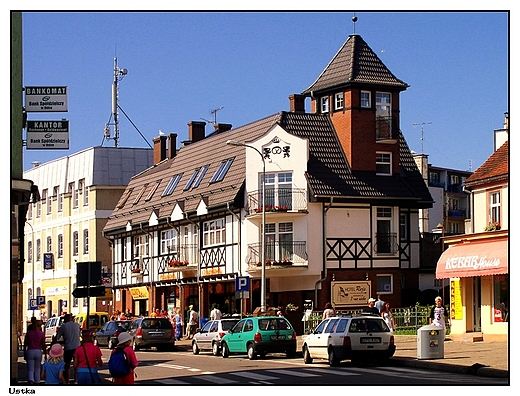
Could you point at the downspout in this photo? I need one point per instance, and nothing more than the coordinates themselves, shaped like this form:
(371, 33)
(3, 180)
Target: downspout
(178, 241)
(151, 266)
(319, 281)
(198, 266)
(239, 246)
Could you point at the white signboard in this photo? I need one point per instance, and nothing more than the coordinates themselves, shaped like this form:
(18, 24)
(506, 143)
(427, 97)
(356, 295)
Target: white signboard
(46, 99)
(48, 135)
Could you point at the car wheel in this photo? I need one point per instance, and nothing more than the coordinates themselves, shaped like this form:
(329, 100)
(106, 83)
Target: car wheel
(225, 350)
(195, 348)
(333, 360)
(251, 354)
(306, 355)
(215, 349)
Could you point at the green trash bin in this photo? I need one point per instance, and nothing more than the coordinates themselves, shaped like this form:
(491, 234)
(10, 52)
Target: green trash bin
(430, 342)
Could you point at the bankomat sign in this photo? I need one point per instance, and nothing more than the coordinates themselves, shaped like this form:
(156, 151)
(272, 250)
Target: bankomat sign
(46, 99)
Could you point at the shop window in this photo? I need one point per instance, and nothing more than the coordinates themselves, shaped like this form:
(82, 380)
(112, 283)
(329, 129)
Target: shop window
(501, 298)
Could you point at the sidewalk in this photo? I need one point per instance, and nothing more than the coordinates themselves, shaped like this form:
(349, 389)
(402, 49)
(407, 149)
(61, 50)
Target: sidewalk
(483, 358)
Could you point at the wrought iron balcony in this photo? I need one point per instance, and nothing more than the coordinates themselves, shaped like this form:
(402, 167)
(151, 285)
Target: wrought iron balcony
(278, 253)
(277, 200)
(184, 257)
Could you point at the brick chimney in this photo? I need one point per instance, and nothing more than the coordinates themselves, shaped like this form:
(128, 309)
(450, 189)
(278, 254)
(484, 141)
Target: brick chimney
(219, 128)
(159, 149)
(297, 103)
(172, 145)
(196, 131)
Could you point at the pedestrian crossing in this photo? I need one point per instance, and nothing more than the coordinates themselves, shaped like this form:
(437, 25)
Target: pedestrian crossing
(311, 375)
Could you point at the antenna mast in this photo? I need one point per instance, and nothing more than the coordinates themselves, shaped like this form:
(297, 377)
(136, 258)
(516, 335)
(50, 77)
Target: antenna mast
(118, 76)
(422, 124)
(214, 113)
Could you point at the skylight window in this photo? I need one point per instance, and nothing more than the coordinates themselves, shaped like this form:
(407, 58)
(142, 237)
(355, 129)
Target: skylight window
(200, 176)
(171, 185)
(152, 191)
(192, 179)
(124, 198)
(138, 197)
(222, 170)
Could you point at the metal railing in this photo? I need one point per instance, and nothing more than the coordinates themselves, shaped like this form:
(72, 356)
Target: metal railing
(277, 200)
(278, 251)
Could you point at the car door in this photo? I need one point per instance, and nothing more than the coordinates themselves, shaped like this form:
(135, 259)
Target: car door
(317, 341)
(234, 337)
(203, 337)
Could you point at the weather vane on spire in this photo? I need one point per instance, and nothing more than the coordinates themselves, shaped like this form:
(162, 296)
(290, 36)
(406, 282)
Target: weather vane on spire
(354, 20)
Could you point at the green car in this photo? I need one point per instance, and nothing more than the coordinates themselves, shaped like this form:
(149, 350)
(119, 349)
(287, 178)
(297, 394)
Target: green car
(260, 335)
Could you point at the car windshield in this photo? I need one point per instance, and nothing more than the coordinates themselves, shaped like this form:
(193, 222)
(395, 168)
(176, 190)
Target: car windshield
(274, 324)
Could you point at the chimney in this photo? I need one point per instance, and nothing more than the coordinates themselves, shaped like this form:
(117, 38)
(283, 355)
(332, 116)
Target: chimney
(297, 103)
(196, 131)
(159, 149)
(172, 145)
(222, 127)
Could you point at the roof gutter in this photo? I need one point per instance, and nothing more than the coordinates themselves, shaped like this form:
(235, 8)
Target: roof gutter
(320, 281)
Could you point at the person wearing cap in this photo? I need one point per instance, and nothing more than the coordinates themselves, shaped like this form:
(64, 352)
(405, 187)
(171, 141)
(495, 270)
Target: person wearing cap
(54, 368)
(371, 309)
(70, 332)
(124, 341)
(87, 359)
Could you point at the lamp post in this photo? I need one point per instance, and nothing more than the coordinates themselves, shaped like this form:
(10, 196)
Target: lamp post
(262, 233)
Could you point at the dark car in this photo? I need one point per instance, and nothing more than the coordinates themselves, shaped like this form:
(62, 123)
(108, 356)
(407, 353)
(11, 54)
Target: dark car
(151, 332)
(260, 335)
(107, 335)
(208, 338)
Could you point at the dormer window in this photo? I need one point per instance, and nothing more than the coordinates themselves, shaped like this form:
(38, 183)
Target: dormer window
(324, 104)
(339, 101)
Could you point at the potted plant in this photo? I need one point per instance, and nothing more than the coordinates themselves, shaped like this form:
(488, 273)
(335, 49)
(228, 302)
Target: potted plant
(291, 307)
(492, 226)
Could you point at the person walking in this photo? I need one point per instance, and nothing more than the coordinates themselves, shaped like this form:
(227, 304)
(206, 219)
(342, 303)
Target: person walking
(388, 316)
(178, 324)
(125, 343)
(438, 315)
(33, 347)
(215, 313)
(70, 332)
(371, 309)
(329, 311)
(379, 304)
(54, 368)
(87, 359)
(193, 322)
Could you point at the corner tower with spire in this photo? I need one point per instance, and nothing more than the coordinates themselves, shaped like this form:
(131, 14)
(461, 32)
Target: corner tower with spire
(361, 96)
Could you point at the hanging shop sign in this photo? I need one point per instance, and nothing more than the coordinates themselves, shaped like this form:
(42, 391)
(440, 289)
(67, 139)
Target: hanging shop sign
(48, 135)
(46, 99)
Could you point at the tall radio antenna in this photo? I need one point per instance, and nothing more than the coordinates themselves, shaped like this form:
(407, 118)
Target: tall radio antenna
(214, 113)
(119, 74)
(422, 124)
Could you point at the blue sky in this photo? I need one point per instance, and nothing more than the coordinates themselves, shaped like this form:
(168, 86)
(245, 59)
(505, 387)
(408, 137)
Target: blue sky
(183, 65)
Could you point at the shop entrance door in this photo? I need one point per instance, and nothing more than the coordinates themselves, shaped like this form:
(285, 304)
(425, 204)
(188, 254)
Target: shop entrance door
(477, 303)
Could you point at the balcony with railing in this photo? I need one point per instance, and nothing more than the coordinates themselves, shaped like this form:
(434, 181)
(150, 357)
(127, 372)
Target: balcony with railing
(278, 254)
(182, 258)
(277, 200)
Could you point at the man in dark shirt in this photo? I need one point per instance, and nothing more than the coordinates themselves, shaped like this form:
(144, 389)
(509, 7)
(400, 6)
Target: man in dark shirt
(371, 309)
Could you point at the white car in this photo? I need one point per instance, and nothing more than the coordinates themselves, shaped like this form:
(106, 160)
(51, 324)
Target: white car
(208, 338)
(356, 338)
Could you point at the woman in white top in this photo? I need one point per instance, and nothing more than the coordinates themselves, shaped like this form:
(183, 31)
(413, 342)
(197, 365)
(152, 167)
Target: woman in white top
(388, 316)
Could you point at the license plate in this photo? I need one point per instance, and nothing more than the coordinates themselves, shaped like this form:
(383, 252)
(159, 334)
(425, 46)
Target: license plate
(156, 334)
(370, 340)
(277, 337)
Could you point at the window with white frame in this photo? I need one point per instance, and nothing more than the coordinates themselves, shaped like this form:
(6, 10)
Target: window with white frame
(38, 250)
(385, 239)
(279, 239)
(48, 201)
(403, 226)
(39, 208)
(324, 104)
(85, 241)
(365, 99)
(278, 191)
(29, 211)
(384, 284)
(383, 163)
(339, 101)
(60, 245)
(29, 252)
(141, 246)
(214, 232)
(124, 249)
(85, 195)
(494, 207)
(75, 243)
(49, 244)
(169, 241)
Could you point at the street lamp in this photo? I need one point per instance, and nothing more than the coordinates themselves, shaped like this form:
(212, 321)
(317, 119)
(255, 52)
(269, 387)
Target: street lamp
(262, 233)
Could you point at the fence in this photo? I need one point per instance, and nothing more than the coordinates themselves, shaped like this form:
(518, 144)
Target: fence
(408, 320)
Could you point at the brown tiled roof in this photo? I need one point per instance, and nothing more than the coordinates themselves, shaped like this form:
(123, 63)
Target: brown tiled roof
(355, 62)
(328, 172)
(496, 167)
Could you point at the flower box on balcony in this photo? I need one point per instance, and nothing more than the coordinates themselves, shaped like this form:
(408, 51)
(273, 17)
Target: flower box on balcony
(136, 271)
(178, 263)
(269, 208)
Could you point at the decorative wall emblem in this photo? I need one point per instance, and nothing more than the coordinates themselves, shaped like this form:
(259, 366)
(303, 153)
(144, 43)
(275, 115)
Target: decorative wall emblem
(277, 147)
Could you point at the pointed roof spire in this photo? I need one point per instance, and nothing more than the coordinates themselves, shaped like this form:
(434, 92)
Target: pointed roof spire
(355, 62)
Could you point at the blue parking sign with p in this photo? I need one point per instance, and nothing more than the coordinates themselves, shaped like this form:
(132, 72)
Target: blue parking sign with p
(242, 283)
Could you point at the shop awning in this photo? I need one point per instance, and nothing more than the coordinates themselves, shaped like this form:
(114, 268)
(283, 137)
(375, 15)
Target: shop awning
(139, 293)
(473, 259)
